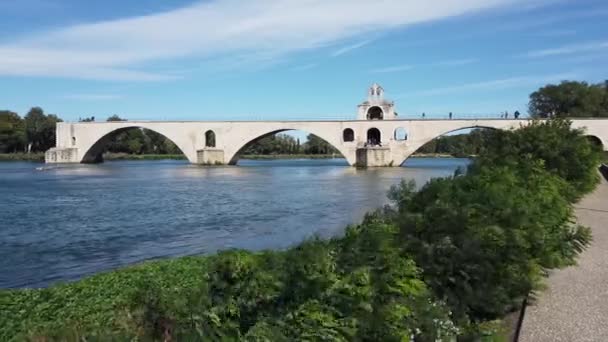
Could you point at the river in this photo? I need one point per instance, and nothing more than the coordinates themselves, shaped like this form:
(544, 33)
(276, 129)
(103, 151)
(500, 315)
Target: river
(66, 222)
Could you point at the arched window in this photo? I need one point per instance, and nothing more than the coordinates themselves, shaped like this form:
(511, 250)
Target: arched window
(400, 134)
(209, 139)
(73, 141)
(373, 137)
(375, 113)
(348, 135)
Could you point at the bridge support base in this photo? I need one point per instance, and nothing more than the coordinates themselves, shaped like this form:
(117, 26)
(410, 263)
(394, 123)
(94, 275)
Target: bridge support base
(59, 155)
(210, 156)
(374, 157)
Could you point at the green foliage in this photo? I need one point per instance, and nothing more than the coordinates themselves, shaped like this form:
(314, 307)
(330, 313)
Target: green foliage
(12, 132)
(484, 240)
(140, 141)
(40, 130)
(283, 144)
(563, 151)
(316, 145)
(570, 99)
(458, 145)
(306, 293)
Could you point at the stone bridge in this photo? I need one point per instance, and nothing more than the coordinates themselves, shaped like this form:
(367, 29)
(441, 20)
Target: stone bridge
(376, 138)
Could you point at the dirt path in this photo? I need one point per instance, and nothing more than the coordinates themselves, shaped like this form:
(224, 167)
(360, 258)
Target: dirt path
(574, 307)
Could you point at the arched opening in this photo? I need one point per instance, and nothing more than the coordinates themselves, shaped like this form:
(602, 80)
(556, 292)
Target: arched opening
(454, 147)
(400, 134)
(132, 143)
(209, 138)
(348, 135)
(288, 144)
(375, 113)
(596, 142)
(374, 138)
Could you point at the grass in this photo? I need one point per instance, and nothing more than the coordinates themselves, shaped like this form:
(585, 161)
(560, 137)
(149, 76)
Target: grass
(127, 156)
(290, 156)
(22, 156)
(97, 303)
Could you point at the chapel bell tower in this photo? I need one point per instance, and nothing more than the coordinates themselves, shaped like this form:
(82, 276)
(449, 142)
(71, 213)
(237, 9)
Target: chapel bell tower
(376, 107)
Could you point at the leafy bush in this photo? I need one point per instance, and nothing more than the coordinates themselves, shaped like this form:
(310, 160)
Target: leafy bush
(564, 152)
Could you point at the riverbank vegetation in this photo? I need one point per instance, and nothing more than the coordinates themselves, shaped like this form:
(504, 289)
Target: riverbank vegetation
(447, 261)
(283, 144)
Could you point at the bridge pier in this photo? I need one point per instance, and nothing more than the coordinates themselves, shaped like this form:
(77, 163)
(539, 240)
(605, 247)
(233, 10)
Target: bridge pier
(61, 155)
(375, 156)
(210, 156)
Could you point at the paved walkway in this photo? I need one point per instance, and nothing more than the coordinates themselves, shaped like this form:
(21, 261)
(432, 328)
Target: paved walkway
(574, 307)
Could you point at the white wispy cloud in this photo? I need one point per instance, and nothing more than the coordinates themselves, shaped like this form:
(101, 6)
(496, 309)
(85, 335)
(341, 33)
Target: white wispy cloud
(405, 67)
(396, 68)
(349, 48)
(504, 83)
(568, 49)
(121, 49)
(457, 62)
(92, 97)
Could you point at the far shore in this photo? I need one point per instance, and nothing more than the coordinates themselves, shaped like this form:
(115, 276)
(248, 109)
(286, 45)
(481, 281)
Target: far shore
(39, 156)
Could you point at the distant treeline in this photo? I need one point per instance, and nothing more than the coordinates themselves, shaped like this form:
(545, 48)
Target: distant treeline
(33, 133)
(283, 144)
(139, 141)
(460, 145)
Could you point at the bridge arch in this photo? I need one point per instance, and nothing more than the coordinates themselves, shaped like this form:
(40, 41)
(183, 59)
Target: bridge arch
(596, 141)
(419, 143)
(335, 142)
(91, 149)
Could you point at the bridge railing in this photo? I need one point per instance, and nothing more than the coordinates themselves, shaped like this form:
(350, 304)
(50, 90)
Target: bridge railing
(256, 117)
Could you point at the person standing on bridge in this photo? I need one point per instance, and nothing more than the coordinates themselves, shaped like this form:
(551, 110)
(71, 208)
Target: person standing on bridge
(516, 114)
(506, 115)
(423, 115)
(450, 115)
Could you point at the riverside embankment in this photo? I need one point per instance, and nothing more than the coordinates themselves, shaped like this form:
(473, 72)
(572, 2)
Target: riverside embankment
(574, 306)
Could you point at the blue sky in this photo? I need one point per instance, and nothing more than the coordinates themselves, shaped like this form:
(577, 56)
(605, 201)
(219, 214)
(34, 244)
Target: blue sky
(291, 59)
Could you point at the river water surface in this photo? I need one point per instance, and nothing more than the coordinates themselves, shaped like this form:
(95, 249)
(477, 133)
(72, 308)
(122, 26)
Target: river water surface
(66, 222)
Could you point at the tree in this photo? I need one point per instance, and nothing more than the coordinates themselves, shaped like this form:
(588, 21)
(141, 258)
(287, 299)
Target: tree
(40, 130)
(12, 132)
(115, 118)
(563, 151)
(316, 145)
(570, 99)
